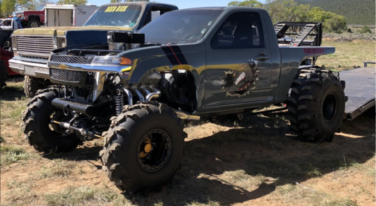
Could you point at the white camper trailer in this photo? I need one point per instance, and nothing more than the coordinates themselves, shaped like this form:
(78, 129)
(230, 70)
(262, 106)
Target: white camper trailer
(67, 14)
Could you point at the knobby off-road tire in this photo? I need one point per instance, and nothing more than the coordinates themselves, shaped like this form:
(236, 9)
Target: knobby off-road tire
(121, 154)
(32, 85)
(316, 105)
(37, 128)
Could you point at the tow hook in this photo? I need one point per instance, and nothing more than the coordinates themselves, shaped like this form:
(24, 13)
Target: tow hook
(86, 133)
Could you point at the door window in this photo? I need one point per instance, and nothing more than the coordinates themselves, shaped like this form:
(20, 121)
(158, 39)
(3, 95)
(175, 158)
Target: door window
(240, 30)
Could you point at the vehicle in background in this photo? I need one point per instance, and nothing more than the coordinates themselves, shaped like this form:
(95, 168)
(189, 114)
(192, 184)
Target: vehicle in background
(11, 23)
(33, 47)
(57, 15)
(6, 54)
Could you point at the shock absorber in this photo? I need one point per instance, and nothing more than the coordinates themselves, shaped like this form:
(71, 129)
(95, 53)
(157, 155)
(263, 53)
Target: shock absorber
(119, 101)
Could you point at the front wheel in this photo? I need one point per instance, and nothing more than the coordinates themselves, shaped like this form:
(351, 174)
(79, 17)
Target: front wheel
(37, 127)
(316, 105)
(143, 147)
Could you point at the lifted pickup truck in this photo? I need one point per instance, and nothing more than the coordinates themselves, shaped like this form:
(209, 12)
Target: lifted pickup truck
(135, 90)
(32, 47)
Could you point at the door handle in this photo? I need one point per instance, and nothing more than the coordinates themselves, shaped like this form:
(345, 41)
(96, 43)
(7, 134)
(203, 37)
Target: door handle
(262, 57)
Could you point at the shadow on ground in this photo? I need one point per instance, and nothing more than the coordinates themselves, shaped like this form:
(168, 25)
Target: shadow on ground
(14, 92)
(260, 148)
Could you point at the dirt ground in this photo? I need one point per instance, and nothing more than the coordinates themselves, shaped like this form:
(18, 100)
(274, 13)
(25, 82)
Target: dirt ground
(252, 162)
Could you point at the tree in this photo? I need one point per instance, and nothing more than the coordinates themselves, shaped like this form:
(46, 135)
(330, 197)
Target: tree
(331, 22)
(77, 2)
(289, 10)
(7, 7)
(118, 1)
(28, 4)
(249, 3)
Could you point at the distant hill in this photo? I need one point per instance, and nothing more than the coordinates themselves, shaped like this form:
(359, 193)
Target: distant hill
(356, 11)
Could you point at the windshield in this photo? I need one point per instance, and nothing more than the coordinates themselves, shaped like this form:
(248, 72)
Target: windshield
(185, 26)
(115, 15)
(40, 8)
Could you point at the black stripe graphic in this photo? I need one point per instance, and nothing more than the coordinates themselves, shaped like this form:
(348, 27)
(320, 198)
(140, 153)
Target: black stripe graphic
(179, 54)
(170, 55)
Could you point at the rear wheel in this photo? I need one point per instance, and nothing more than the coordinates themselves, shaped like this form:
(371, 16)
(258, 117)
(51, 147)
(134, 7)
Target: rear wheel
(37, 127)
(316, 105)
(143, 147)
(32, 23)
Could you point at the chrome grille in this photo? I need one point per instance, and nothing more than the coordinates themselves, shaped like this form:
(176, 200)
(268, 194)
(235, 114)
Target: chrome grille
(35, 44)
(70, 59)
(66, 75)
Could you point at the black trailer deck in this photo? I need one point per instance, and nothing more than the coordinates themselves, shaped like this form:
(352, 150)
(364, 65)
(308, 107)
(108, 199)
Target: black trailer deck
(360, 90)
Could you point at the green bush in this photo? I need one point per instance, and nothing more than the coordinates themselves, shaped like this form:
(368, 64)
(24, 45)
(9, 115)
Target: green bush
(365, 29)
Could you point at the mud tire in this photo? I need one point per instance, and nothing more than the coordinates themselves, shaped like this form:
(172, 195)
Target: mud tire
(32, 85)
(119, 155)
(35, 126)
(316, 105)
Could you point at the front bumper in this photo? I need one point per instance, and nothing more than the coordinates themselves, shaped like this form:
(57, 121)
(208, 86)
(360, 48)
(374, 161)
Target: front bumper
(30, 69)
(86, 67)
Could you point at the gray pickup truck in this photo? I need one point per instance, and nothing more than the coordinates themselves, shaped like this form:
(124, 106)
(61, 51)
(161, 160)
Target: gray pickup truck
(135, 90)
(32, 47)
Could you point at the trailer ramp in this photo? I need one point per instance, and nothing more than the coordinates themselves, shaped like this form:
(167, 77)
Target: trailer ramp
(360, 90)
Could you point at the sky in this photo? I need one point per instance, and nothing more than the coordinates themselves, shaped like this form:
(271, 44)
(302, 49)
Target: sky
(181, 4)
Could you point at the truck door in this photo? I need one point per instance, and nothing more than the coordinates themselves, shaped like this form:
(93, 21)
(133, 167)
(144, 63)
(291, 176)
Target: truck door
(238, 65)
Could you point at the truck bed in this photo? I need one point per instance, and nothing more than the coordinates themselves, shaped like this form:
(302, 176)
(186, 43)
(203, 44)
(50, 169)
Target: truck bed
(360, 90)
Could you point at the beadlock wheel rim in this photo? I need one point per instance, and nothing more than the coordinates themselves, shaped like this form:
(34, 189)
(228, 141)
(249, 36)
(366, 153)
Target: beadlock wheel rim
(329, 108)
(157, 158)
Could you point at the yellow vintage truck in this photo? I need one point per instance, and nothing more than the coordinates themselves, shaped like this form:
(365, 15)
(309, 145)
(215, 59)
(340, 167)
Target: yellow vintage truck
(32, 47)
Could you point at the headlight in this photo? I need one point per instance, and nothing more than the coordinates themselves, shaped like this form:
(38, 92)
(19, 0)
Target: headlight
(14, 46)
(111, 60)
(60, 42)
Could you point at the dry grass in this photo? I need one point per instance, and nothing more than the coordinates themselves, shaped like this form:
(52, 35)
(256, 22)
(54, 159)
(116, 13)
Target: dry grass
(251, 162)
(55, 169)
(86, 195)
(10, 154)
(348, 54)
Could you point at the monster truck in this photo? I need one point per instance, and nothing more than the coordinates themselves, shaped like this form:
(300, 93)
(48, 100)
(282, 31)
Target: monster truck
(136, 90)
(32, 47)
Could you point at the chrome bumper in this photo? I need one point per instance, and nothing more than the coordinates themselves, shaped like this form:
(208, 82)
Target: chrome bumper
(85, 67)
(30, 69)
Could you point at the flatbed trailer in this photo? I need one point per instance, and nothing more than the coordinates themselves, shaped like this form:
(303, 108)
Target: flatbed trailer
(360, 90)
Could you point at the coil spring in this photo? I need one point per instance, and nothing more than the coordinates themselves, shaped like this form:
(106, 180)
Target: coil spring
(119, 102)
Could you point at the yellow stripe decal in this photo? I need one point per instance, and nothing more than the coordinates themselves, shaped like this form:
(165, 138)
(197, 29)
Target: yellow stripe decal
(126, 69)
